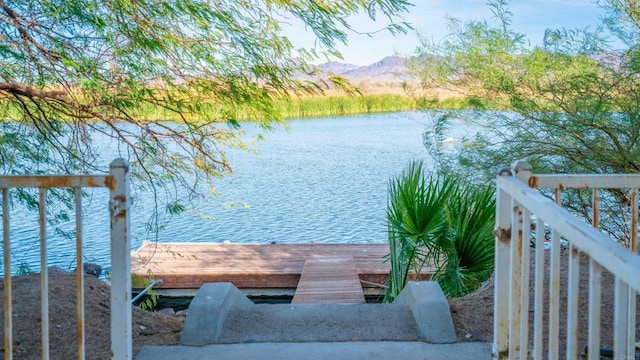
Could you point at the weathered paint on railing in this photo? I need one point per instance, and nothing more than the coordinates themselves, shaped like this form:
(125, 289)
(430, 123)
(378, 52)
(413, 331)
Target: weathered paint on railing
(118, 184)
(518, 203)
(121, 317)
(501, 273)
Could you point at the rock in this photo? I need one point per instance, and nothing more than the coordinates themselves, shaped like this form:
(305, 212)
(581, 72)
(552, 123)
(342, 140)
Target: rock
(167, 311)
(92, 269)
(56, 270)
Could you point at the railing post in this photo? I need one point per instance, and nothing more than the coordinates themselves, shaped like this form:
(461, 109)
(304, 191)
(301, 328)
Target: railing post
(501, 273)
(6, 248)
(121, 319)
(518, 271)
(521, 170)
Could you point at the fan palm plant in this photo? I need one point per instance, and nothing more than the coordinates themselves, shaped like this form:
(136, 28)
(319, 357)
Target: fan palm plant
(468, 241)
(441, 222)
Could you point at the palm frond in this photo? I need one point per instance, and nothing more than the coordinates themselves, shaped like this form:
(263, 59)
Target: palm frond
(439, 221)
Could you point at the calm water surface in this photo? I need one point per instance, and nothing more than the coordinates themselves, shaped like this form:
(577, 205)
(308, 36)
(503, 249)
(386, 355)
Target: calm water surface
(322, 180)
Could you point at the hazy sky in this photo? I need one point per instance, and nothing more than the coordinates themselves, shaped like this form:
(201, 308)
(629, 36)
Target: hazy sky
(428, 17)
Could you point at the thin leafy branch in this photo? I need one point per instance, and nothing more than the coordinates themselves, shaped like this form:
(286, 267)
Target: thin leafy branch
(568, 105)
(74, 73)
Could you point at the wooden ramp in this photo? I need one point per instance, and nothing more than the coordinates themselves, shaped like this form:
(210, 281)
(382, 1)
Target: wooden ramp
(329, 280)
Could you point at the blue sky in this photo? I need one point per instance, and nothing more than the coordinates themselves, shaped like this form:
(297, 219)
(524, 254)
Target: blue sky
(428, 17)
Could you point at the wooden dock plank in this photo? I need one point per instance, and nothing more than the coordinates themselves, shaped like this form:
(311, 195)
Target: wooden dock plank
(189, 265)
(329, 280)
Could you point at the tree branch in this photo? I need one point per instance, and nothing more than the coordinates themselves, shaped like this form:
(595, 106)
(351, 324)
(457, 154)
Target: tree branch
(28, 91)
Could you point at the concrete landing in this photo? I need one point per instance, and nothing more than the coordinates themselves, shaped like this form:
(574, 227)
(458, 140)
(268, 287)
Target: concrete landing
(322, 351)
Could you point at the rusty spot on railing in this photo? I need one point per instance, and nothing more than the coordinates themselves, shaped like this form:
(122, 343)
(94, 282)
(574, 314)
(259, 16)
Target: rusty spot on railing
(121, 198)
(533, 182)
(119, 206)
(501, 355)
(92, 182)
(575, 251)
(110, 182)
(502, 234)
(49, 182)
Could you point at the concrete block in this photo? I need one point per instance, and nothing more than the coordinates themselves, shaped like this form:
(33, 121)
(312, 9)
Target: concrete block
(430, 309)
(208, 311)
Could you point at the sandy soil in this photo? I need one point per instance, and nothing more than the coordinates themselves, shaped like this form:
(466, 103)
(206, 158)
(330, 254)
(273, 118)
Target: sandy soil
(472, 315)
(149, 328)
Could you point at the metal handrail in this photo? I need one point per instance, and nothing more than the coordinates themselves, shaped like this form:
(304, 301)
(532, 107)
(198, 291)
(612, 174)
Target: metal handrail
(523, 211)
(117, 181)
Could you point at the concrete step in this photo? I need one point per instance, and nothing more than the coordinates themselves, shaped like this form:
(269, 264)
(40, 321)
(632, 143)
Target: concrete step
(318, 323)
(223, 323)
(321, 351)
(220, 313)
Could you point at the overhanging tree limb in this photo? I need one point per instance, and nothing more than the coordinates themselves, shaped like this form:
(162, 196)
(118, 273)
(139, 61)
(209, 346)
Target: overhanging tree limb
(71, 71)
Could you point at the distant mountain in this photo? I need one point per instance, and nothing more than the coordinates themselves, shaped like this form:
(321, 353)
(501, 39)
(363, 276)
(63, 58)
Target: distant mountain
(391, 68)
(388, 69)
(337, 67)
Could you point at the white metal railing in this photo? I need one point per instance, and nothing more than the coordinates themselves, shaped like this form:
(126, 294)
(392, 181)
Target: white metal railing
(522, 212)
(117, 181)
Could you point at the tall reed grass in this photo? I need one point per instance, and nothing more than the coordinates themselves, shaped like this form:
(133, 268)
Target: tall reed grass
(303, 107)
(344, 105)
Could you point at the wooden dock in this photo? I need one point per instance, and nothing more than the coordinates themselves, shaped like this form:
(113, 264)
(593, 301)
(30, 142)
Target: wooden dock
(254, 268)
(329, 280)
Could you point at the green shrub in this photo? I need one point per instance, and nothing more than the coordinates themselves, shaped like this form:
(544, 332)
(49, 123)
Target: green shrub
(441, 222)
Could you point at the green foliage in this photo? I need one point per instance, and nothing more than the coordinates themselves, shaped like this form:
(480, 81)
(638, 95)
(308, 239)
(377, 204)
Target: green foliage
(330, 105)
(343, 105)
(469, 245)
(107, 273)
(451, 103)
(75, 71)
(441, 222)
(571, 103)
(414, 218)
(150, 299)
(23, 269)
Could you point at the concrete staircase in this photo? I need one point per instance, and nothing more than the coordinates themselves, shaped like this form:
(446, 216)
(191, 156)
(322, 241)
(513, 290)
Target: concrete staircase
(224, 324)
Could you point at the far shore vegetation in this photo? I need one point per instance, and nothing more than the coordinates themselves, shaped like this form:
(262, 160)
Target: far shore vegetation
(344, 104)
(330, 104)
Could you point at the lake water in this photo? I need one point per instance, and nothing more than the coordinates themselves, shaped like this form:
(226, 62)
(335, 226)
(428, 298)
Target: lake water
(321, 180)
